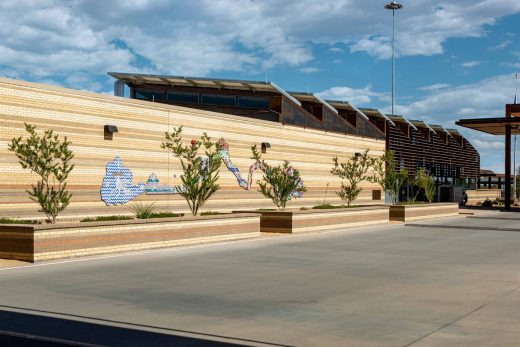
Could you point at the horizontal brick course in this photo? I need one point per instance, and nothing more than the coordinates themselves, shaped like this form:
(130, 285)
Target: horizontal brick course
(46, 242)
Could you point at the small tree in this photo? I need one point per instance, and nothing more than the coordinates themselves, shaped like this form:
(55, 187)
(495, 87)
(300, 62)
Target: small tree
(50, 158)
(200, 175)
(382, 165)
(420, 181)
(425, 181)
(387, 176)
(280, 183)
(395, 181)
(354, 171)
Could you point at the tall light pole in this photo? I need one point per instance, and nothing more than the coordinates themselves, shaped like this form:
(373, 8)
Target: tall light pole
(514, 147)
(393, 6)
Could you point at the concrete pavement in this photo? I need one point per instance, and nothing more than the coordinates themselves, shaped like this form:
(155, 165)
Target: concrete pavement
(454, 282)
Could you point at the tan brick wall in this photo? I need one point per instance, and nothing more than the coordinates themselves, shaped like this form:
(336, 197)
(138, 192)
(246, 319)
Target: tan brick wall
(81, 117)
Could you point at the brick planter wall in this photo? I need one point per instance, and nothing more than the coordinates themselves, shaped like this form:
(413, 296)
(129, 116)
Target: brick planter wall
(315, 220)
(68, 240)
(405, 213)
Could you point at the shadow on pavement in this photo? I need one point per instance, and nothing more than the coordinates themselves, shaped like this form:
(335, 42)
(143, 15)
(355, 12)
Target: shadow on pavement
(23, 329)
(445, 226)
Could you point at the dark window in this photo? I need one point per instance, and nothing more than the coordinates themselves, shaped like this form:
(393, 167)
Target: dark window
(188, 98)
(217, 99)
(352, 118)
(149, 95)
(376, 195)
(251, 102)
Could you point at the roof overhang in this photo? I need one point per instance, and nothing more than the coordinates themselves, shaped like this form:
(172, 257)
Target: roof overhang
(348, 106)
(438, 128)
(493, 126)
(202, 82)
(402, 119)
(313, 98)
(373, 112)
(421, 124)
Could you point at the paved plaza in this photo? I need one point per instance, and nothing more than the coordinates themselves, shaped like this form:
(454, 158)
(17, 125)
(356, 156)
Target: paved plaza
(450, 282)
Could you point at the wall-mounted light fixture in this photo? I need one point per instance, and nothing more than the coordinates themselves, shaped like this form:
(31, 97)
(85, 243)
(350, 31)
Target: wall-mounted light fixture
(109, 131)
(265, 146)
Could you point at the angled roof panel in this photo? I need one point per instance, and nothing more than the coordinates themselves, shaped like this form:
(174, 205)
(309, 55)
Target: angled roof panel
(440, 128)
(347, 105)
(376, 113)
(399, 118)
(421, 124)
(202, 82)
(314, 98)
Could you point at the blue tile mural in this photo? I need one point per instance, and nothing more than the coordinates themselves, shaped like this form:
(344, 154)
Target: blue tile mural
(117, 187)
(154, 187)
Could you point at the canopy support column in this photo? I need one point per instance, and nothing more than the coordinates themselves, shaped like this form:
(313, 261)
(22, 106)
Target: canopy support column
(507, 169)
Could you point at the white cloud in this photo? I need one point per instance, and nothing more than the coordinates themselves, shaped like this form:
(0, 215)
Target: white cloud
(361, 96)
(485, 98)
(52, 38)
(472, 63)
(309, 70)
(501, 45)
(435, 86)
(336, 50)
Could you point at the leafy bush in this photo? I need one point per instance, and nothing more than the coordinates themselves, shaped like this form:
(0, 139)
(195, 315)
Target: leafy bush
(50, 158)
(354, 172)
(105, 218)
(280, 183)
(200, 175)
(143, 210)
(165, 215)
(6, 220)
(326, 207)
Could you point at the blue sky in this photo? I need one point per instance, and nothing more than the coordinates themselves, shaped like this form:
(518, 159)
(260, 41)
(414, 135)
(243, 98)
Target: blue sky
(456, 59)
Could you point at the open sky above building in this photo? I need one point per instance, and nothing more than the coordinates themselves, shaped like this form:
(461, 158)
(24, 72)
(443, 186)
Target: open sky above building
(455, 59)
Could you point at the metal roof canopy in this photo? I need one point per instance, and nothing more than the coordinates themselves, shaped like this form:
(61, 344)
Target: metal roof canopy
(506, 126)
(202, 82)
(493, 126)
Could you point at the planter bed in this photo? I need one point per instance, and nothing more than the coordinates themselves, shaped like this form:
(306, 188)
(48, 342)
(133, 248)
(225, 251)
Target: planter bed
(319, 219)
(40, 242)
(405, 213)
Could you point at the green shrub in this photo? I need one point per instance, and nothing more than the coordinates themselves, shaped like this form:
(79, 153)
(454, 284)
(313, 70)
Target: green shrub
(50, 158)
(280, 183)
(143, 210)
(354, 172)
(165, 215)
(6, 220)
(325, 207)
(105, 218)
(200, 175)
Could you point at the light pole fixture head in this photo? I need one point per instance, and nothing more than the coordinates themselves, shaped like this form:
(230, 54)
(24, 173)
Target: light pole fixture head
(393, 6)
